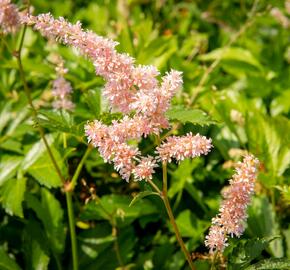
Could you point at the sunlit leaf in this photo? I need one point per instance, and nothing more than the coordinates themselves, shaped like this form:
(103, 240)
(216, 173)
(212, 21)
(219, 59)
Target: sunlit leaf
(12, 195)
(6, 262)
(194, 116)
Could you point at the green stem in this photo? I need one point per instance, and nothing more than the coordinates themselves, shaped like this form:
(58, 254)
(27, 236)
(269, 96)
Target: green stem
(72, 230)
(34, 112)
(117, 248)
(79, 168)
(213, 261)
(154, 186)
(172, 219)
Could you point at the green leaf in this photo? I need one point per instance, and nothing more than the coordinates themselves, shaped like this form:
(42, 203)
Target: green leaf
(12, 195)
(35, 246)
(181, 176)
(248, 250)
(93, 100)
(142, 195)
(194, 116)
(8, 167)
(38, 163)
(36, 151)
(232, 54)
(59, 121)
(118, 206)
(49, 211)
(44, 171)
(281, 103)
(262, 222)
(6, 262)
(273, 263)
(190, 226)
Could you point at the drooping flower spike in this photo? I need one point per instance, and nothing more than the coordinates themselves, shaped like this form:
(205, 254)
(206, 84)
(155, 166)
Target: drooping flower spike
(233, 210)
(187, 146)
(130, 89)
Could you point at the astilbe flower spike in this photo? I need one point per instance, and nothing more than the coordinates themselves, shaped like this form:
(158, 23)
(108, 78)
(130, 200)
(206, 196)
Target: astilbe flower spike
(131, 89)
(9, 17)
(62, 89)
(187, 146)
(233, 210)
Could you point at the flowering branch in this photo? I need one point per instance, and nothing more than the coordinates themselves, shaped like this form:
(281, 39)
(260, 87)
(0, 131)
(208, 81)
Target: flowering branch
(132, 90)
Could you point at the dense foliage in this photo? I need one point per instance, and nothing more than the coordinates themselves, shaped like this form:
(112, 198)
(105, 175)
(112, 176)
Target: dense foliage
(235, 58)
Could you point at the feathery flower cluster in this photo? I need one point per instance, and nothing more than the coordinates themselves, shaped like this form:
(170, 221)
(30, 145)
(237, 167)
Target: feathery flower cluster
(9, 17)
(187, 146)
(129, 88)
(62, 89)
(233, 210)
(124, 79)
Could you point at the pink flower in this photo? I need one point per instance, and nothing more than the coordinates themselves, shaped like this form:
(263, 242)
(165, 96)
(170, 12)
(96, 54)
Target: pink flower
(64, 104)
(187, 146)
(216, 238)
(9, 17)
(233, 210)
(62, 89)
(145, 169)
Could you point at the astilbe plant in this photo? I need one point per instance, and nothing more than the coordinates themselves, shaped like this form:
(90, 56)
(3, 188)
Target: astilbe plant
(136, 91)
(9, 17)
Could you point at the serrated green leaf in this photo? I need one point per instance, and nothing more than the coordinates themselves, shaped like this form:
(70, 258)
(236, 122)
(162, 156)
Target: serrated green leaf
(248, 250)
(193, 116)
(44, 171)
(12, 195)
(273, 263)
(6, 262)
(59, 121)
(38, 163)
(35, 152)
(142, 195)
(49, 211)
(35, 246)
(8, 167)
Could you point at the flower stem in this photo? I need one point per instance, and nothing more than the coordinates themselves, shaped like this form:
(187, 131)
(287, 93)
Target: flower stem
(154, 187)
(17, 54)
(79, 168)
(72, 230)
(172, 219)
(213, 261)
